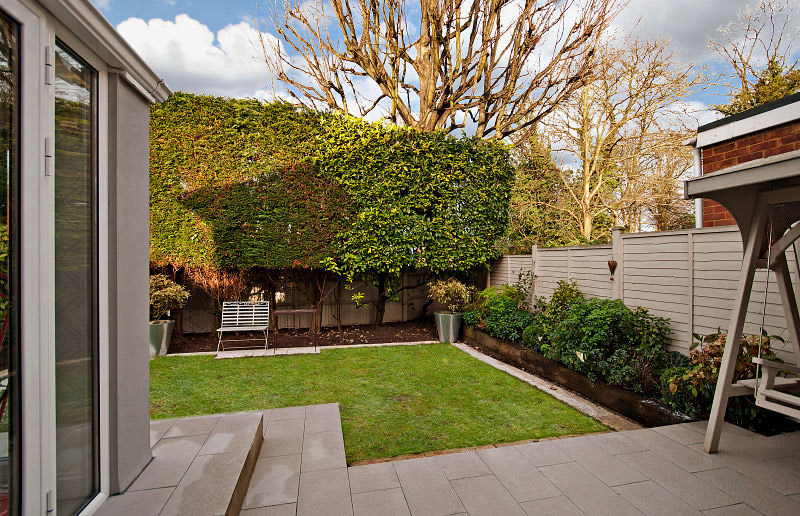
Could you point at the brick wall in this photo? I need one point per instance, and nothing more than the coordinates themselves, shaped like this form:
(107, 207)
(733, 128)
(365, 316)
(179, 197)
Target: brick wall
(763, 144)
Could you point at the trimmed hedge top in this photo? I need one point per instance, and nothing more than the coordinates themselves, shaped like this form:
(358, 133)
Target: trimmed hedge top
(242, 184)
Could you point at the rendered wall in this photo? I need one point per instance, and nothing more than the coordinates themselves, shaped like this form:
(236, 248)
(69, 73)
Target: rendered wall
(129, 368)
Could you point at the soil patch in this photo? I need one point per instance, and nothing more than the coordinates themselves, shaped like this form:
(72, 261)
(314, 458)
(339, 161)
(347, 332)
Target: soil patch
(411, 331)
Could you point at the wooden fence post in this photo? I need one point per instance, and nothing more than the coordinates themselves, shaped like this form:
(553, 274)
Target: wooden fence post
(534, 270)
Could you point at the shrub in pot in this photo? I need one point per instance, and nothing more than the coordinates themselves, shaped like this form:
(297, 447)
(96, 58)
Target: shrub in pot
(454, 296)
(165, 295)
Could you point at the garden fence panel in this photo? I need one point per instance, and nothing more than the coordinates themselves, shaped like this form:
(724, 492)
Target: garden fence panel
(689, 276)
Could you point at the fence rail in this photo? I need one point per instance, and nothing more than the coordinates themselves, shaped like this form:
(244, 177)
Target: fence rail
(689, 276)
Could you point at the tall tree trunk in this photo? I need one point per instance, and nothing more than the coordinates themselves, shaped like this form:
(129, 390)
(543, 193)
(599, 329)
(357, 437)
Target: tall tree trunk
(380, 303)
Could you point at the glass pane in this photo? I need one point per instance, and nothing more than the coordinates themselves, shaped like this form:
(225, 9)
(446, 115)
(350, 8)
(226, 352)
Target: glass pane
(76, 341)
(9, 342)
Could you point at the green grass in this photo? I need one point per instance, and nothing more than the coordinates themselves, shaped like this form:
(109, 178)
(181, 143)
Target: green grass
(393, 400)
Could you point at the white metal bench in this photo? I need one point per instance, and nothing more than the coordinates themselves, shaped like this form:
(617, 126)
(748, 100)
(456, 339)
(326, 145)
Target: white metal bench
(244, 316)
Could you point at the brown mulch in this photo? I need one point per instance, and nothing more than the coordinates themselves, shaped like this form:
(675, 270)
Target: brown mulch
(411, 331)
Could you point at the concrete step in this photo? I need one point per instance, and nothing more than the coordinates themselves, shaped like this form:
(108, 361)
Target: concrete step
(201, 466)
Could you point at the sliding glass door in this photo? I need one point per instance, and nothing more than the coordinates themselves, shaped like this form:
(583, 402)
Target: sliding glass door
(77, 404)
(9, 263)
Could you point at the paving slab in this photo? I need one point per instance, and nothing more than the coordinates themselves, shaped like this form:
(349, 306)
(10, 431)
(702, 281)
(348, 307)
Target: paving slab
(388, 502)
(158, 429)
(233, 433)
(373, 477)
(678, 481)
(616, 443)
(758, 496)
(486, 496)
(739, 509)
(323, 418)
(324, 450)
(171, 459)
(184, 427)
(544, 453)
(146, 502)
(586, 491)
(283, 437)
(324, 493)
(599, 462)
(517, 474)
(560, 505)
(681, 433)
(207, 486)
(274, 482)
(461, 465)
(426, 488)
(674, 452)
(289, 509)
(654, 500)
(284, 413)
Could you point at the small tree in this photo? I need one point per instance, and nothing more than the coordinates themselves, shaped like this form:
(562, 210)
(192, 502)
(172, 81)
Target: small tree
(165, 295)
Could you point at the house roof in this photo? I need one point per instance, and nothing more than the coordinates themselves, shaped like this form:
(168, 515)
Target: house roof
(91, 26)
(755, 119)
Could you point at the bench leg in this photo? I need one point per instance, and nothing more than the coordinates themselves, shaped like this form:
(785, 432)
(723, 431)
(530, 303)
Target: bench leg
(219, 342)
(266, 331)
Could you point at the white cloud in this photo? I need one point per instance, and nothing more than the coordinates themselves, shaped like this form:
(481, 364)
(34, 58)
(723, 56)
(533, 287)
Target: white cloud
(191, 57)
(102, 4)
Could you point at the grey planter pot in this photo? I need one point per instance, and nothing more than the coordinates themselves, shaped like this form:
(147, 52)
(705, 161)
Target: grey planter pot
(449, 326)
(160, 336)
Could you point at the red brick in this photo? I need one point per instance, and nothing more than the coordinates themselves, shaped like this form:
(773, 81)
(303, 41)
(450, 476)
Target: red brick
(724, 147)
(790, 138)
(767, 144)
(750, 140)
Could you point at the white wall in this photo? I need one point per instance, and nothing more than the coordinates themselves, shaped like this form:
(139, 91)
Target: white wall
(687, 276)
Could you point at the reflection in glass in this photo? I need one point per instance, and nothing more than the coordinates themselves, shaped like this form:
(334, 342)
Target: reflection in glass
(9, 342)
(76, 339)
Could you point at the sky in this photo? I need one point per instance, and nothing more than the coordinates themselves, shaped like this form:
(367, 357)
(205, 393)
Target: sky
(212, 46)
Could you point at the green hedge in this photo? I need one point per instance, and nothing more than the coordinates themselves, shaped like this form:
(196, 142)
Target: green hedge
(243, 184)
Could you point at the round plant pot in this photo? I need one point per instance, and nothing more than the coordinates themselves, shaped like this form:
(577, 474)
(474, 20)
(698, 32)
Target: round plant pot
(160, 336)
(449, 326)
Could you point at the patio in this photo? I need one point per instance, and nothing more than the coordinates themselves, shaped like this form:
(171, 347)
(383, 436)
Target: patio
(205, 465)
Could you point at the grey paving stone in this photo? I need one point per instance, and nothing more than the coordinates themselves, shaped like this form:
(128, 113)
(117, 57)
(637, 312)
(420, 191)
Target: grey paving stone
(461, 465)
(616, 443)
(586, 491)
(427, 489)
(517, 474)
(282, 437)
(324, 493)
(141, 503)
(389, 502)
(290, 509)
(324, 450)
(560, 505)
(678, 481)
(323, 418)
(543, 453)
(207, 486)
(286, 413)
(654, 500)
(676, 453)
(735, 437)
(739, 509)
(746, 490)
(599, 462)
(171, 459)
(796, 498)
(373, 477)
(233, 433)
(274, 481)
(158, 429)
(486, 496)
(789, 443)
(777, 475)
(681, 433)
(187, 426)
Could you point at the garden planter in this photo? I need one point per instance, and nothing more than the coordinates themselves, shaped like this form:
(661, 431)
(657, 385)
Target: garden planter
(449, 326)
(160, 336)
(634, 406)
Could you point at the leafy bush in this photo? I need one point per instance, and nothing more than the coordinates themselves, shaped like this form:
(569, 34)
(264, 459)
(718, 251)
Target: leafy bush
(165, 295)
(501, 312)
(451, 293)
(690, 390)
(549, 314)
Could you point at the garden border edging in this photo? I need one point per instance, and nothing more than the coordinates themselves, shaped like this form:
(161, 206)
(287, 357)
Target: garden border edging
(625, 402)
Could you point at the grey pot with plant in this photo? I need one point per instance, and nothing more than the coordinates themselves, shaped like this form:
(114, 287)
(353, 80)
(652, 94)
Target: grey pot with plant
(165, 295)
(454, 296)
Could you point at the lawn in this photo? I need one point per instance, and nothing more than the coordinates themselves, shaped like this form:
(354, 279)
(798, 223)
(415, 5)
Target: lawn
(393, 400)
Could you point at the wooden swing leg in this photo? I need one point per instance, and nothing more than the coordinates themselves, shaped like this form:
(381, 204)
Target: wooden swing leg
(721, 394)
(789, 302)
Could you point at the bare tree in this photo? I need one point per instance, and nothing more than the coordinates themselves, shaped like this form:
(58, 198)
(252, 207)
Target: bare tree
(632, 109)
(495, 66)
(758, 48)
